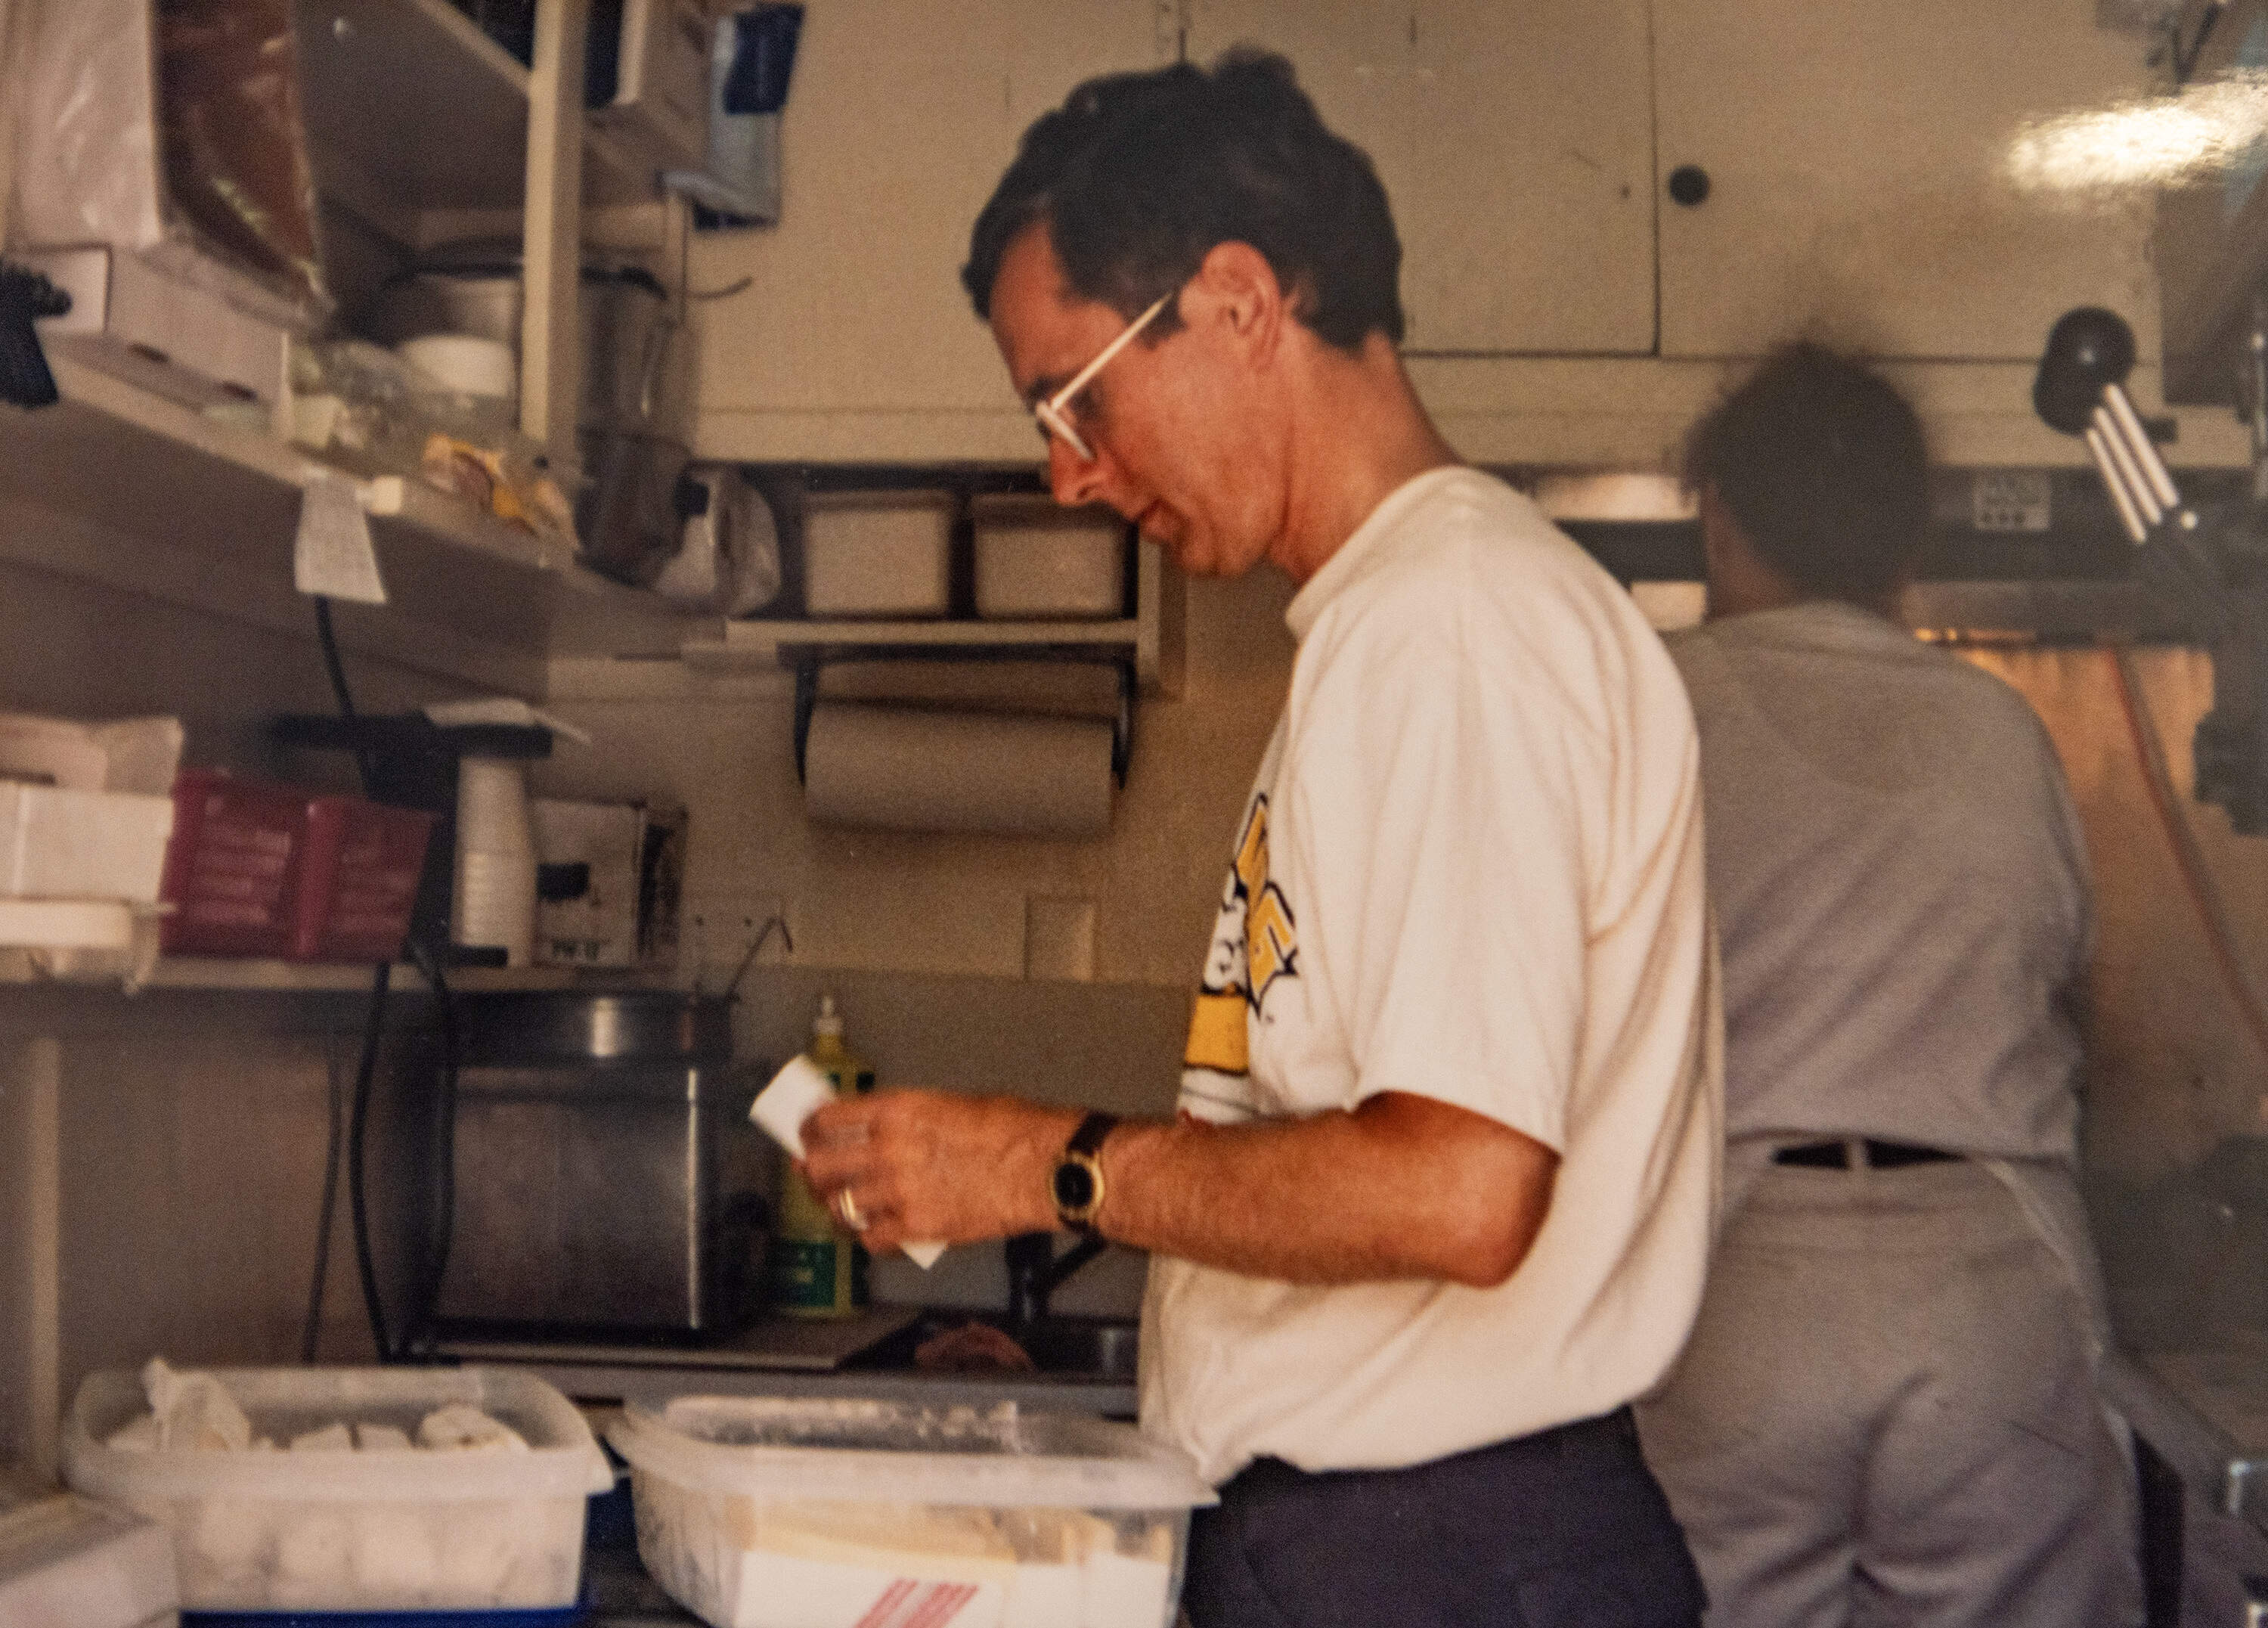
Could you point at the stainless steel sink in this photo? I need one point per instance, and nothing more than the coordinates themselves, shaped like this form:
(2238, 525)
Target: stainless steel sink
(1101, 1346)
(1090, 1349)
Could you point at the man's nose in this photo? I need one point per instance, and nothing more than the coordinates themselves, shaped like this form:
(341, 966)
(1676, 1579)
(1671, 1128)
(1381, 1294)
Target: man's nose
(1074, 480)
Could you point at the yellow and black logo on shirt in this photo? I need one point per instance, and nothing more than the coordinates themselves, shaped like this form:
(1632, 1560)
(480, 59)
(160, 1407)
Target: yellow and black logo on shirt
(1255, 942)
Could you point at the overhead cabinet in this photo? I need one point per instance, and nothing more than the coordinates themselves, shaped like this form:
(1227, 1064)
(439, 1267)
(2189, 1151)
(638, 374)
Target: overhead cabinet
(1516, 143)
(1603, 181)
(850, 339)
(1876, 175)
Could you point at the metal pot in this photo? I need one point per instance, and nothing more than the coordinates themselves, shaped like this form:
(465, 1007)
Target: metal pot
(529, 1027)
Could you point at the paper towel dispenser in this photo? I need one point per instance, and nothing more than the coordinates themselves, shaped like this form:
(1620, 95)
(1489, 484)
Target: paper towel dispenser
(883, 762)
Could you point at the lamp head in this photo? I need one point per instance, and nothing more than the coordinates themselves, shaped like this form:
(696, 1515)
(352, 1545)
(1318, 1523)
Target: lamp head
(2088, 350)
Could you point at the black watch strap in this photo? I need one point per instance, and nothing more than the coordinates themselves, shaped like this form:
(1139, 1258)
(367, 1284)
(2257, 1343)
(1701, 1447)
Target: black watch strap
(1088, 1138)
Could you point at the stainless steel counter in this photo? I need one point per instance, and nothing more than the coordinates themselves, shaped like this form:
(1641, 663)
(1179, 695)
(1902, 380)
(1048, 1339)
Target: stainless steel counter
(2205, 1413)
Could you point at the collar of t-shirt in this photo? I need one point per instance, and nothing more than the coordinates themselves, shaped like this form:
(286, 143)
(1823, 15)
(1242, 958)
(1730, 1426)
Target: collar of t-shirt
(1366, 546)
(1817, 625)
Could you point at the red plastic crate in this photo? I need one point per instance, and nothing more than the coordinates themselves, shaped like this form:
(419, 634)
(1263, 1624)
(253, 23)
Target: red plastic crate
(232, 865)
(359, 882)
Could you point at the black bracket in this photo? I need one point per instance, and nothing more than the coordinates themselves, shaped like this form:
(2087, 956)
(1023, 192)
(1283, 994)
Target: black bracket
(808, 659)
(26, 296)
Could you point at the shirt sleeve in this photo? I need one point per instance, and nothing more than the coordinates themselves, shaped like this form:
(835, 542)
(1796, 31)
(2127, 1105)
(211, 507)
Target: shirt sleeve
(1433, 805)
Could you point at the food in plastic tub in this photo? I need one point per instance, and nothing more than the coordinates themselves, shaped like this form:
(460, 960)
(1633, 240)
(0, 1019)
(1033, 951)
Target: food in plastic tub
(776, 1512)
(353, 1528)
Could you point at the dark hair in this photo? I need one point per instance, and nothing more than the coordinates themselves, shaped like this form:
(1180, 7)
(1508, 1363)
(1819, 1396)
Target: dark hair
(1822, 464)
(1139, 175)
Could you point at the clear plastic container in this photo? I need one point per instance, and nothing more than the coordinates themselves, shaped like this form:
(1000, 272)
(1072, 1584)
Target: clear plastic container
(779, 1513)
(397, 1530)
(1036, 558)
(877, 554)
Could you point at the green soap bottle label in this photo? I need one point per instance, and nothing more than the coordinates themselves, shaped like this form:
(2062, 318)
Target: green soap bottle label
(811, 1277)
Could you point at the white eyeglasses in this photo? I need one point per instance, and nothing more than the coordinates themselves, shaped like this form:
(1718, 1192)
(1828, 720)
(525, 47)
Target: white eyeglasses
(1050, 410)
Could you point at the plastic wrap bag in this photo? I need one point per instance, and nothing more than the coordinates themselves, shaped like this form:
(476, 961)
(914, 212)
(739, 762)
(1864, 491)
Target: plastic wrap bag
(234, 144)
(94, 163)
(361, 408)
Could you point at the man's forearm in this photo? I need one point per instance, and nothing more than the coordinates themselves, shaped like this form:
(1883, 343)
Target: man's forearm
(1401, 1188)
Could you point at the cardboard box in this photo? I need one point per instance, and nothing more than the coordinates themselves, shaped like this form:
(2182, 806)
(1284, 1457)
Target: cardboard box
(166, 334)
(62, 844)
(609, 879)
(139, 754)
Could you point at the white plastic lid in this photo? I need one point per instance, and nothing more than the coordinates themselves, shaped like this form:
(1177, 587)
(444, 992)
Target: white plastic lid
(775, 1447)
(562, 1459)
(828, 1023)
(66, 1563)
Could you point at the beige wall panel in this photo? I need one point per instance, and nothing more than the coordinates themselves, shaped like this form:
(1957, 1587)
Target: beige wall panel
(915, 902)
(1854, 150)
(2177, 1103)
(1515, 145)
(903, 116)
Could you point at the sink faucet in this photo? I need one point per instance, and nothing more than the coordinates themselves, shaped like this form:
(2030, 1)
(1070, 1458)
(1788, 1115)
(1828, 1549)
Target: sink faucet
(1035, 1270)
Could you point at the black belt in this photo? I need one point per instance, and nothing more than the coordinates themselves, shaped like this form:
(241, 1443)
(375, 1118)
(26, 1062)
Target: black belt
(1877, 1155)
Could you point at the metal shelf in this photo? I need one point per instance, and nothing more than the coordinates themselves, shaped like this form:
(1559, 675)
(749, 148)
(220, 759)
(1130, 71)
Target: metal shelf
(412, 111)
(213, 508)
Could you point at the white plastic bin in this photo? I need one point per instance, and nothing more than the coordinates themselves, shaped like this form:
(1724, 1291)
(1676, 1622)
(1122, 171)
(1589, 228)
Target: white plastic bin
(877, 554)
(779, 1513)
(391, 1530)
(1036, 558)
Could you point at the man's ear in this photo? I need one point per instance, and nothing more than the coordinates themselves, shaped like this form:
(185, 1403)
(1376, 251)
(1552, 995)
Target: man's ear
(1237, 287)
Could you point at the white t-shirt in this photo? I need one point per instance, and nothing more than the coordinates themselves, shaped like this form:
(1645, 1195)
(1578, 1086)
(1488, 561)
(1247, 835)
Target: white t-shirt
(1470, 870)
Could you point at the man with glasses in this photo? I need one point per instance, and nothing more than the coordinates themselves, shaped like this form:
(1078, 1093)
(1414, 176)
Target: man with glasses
(1437, 1203)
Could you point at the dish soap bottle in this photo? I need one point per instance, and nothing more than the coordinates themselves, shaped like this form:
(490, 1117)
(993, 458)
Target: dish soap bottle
(852, 1074)
(814, 1262)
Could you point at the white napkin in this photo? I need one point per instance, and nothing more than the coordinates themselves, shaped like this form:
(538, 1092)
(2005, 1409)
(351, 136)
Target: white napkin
(794, 1095)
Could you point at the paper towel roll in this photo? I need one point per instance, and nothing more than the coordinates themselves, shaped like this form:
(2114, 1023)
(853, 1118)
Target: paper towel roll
(909, 769)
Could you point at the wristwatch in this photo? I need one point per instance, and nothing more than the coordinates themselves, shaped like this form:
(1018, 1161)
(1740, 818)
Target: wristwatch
(1076, 1182)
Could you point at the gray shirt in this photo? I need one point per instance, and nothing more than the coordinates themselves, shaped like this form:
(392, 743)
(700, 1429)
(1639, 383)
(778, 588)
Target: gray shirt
(1900, 885)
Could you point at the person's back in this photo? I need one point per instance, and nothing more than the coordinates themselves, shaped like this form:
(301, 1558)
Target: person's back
(1899, 885)
(1887, 1408)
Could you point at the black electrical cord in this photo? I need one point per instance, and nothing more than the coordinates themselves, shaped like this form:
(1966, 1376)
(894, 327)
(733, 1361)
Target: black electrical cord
(334, 1140)
(444, 1169)
(366, 1077)
(365, 1073)
(418, 1320)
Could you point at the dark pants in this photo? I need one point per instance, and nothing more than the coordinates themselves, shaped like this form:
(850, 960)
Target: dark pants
(1553, 1530)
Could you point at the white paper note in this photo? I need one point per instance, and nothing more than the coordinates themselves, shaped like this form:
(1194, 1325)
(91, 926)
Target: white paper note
(794, 1095)
(333, 555)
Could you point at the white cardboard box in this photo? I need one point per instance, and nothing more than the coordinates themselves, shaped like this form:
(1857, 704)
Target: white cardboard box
(124, 755)
(57, 843)
(166, 333)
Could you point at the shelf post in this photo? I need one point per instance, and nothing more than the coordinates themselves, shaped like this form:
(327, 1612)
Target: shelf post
(551, 360)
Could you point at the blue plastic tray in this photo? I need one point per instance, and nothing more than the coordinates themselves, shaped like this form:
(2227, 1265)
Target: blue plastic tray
(555, 1617)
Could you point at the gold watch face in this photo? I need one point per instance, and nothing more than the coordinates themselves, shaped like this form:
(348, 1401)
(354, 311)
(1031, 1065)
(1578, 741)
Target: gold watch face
(1075, 1187)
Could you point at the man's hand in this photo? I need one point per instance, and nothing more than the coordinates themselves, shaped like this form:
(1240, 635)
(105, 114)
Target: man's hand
(1400, 1187)
(928, 1165)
